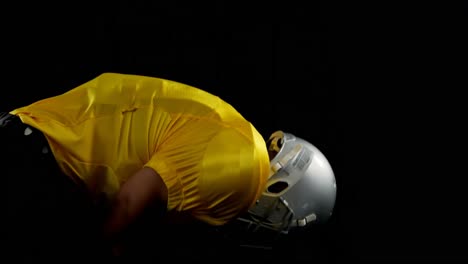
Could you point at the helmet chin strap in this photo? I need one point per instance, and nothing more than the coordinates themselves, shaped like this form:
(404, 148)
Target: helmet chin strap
(304, 221)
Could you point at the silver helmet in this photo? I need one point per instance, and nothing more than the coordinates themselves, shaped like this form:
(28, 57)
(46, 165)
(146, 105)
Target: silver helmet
(301, 189)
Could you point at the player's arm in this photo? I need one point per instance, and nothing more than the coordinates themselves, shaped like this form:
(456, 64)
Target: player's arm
(141, 189)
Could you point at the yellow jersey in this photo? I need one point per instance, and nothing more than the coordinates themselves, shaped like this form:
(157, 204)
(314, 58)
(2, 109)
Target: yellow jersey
(213, 161)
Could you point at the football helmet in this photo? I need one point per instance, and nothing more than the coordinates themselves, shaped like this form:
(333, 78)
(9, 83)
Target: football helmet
(301, 188)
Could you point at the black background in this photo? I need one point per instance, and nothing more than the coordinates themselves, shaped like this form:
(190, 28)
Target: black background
(358, 84)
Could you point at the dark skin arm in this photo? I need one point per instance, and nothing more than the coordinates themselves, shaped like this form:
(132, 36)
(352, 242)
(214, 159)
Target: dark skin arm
(137, 193)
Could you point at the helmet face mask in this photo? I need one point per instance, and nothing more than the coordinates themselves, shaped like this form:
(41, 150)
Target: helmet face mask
(300, 190)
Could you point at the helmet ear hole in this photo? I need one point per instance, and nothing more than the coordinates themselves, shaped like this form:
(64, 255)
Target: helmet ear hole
(277, 187)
